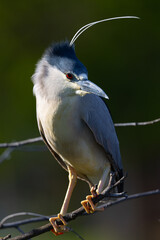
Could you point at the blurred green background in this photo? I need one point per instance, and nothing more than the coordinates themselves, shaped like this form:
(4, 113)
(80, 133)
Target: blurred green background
(122, 57)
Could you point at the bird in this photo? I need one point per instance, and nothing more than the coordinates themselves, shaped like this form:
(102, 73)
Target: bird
(75, 122)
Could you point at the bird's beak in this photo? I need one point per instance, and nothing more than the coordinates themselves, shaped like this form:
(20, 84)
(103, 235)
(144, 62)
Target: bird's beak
(90, 87)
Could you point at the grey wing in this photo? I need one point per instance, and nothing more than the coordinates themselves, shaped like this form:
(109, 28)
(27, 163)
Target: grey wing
(55, 155)
(97, 117)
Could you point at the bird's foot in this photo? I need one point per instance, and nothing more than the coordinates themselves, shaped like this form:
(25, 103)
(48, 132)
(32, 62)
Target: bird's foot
(58, 229)
(88, 204)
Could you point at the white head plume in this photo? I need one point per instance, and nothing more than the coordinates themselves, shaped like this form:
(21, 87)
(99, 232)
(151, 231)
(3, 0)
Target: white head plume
(84, 28)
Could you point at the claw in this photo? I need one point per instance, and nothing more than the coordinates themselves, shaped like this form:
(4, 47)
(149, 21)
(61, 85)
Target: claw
(88, 204)
(58, 229)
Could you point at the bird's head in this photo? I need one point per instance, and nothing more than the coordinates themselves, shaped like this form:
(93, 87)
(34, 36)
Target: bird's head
(60, 72)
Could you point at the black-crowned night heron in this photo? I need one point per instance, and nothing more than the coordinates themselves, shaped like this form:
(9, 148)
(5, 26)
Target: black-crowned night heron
(75, 122)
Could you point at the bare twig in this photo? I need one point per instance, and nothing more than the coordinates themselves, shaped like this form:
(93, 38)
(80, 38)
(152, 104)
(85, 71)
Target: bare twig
(38, 139)
(134, 124)
(131, 197)
(6, 237)
(12, 146)
(39, 217)
(22, 222)
(6, 154)
(20, 143)
(71, 230)
(80, 211)
(8, 151)
(20, 230)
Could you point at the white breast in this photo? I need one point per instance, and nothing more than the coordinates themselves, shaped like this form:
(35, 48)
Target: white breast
(71, 138)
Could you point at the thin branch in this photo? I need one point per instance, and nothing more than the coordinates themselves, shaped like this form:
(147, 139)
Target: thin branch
(134, 124)
(105, 193)
(6, 154)
(38, 139)
(131, 197)
(22, 222)
(71, 230)
(81, 212)
(20, 143)
(6, 237)
(20, 230)
(40, 217)
(8, 151)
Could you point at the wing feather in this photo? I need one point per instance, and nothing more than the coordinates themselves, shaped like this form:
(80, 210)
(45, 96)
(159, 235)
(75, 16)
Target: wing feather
(97, 117)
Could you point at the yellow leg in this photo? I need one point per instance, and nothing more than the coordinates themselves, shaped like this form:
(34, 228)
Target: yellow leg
(57, 230)
(72, 182)
(88, 204)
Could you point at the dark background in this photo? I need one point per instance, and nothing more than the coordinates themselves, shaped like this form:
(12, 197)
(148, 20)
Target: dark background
(123, 58)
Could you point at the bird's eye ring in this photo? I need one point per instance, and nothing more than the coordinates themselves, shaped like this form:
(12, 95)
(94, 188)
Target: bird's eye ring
(69, 75)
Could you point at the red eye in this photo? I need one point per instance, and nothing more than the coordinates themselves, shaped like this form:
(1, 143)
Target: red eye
(69, 75)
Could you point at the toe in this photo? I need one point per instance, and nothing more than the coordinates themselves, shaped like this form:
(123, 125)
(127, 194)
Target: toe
(86, 206)
(58, 229)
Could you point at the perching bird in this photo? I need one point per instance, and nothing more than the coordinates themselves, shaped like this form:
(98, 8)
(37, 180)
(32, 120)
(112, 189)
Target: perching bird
(75, 122)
